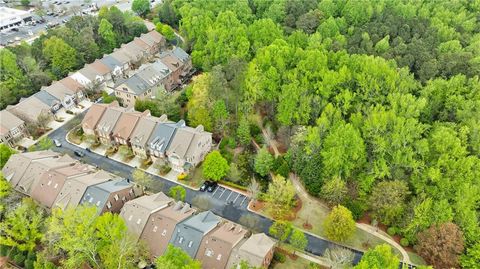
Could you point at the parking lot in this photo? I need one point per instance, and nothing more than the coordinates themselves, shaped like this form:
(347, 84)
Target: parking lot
(228, 196)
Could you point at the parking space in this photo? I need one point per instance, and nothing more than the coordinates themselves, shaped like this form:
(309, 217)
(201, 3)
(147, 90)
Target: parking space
(228, 196)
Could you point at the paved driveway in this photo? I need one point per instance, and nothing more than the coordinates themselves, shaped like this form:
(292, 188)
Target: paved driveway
(223, 202)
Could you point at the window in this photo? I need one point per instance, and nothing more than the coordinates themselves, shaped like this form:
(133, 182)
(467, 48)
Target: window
(209, 252)
(155, 229)
(219, 257)
(130, 218)
(49, 183)
(56, 185)
(116, 197)
(90, 200)
(98, 203)
(139, 220)
(190, 244)
(180, 240)
(164, 232)
(109, 205)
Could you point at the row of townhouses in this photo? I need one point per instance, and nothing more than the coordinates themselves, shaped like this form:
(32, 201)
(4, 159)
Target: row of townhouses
(218, 243)
(182, 146)
(122, 71)
(58, 181)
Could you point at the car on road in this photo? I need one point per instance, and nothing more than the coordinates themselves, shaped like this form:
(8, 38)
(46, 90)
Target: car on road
(57, 143)
(79, 153)
(205, 185)
(64, 21)
(212, 187)
(88, 149)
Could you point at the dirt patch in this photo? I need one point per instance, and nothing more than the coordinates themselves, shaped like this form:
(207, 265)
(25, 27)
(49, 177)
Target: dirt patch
(307, 226)
(257, 205)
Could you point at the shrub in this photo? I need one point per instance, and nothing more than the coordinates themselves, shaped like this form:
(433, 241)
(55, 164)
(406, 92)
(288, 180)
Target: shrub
(356, 208)
(29, 264)
(279, 257)
(255, 130)
(259, 139)
(392, 231)
(181, 176)
(4, 250)
(19, 259)
(233, 185)
(404, 242)
(69, 112)
(31, 256)
(164, 169)
(12, 253)
(283, 170)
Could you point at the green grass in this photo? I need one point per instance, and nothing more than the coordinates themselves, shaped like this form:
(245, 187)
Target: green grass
(299, 263)
(416, 259)
(195, 179)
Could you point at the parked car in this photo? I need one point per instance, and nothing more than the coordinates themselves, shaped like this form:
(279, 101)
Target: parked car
(57, 143)
(79, 153)
(88, 149)
(212, 187)
(205, 185)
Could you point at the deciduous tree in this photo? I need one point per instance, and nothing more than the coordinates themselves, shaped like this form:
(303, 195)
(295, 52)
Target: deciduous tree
(176, 258)
(387, 200)
(263, 162)
(339, 224)
(379, 257)
(339, 257)
(141, 7)
(5, 153)
(105, 30)
(178, 193)
(243, 132)
(62, 57)
(298, 240)
(142, 178)
(281, 230)
(279, 197)
(215, 167)
(334, 191)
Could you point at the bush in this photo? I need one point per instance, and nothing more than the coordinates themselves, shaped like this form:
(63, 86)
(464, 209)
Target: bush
(404, 242)
(12, 253)
(259, 139)
(279, 257)
(255, 130)
(283, 170)
(164, 169)
(69, 112)
(29, 264)
(356, 208)
(391, 231)
(233, 185)
(4, 250)
(182, 176)
(19, 259)
(31, 256)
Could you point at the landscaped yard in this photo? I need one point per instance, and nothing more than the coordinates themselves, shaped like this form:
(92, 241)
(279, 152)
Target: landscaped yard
(195, 179)
(299, 263)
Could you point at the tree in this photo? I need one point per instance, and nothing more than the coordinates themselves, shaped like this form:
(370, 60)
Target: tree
(279, 197)
(471, 258)
(263, 162)
(339, 224)
(339, 257)
(387, 200)
(12, 79)
(178, 193)
(215, 167)
(262, 33)
(25, 3)
(165, 30)
(334, 191)
(141, 7)
(243, 132)
(5, 192)
(105, 30)
(281, 230)
(176, 258)
(62, 57)
(298, 240)
(441, 245)
(219, 115)
(254, 189)
(22, 227)
(378, 258)
(142, 178)
(5, 153)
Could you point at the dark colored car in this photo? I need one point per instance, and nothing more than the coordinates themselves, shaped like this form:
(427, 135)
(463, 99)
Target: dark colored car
(212, 187)
(79, 153)
(205, 185)
(88, 149)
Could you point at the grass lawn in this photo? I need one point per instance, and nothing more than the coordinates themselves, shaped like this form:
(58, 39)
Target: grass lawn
(416, 259)
(75, 136)
(299, 263)
(195, 179)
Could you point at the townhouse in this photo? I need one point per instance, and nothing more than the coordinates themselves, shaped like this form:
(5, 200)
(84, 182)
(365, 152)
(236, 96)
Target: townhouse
(51, 182)
(188, 147)
(161, 226)
(125, 125)
(161, 137)
(30, 108)
(189, 234)
(154, 40)
(136, 212)
(109, 196)
(93, 116)
(66, 96)
(74, 189)
(216, 247)
(179, 63)
(256, 250)
(12, 128)
(142, 132)
(106, 124)
(95, 74)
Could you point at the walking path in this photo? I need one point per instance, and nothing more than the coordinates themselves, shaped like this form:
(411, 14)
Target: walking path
(365, 227)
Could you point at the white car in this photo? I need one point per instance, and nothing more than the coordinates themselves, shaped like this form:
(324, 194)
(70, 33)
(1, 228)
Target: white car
(57, 143)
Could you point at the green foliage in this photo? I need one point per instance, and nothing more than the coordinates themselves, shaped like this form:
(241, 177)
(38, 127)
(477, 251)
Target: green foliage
(19, 259)
(379, 257)
(281, 230)
(404, 242)
(298, 239)
(109, 40)
(243, 132)
(334, 191)
(141, 178)
(339, 224)
(5, 153)
(279, 257)
(471, 258)
(215, 167)
(176, 258)
(392, 231)
(387, 200)
(62, 57)
(178, 193)
(141, 7)
(165, 30)
(280, 197)
(22, 228)
(263, 162)
(107, 99)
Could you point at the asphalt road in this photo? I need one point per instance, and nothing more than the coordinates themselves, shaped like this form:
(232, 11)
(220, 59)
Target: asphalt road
(232, 210)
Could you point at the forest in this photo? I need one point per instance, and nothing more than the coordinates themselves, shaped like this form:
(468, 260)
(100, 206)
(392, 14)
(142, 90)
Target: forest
(26, 68)
(377, 103)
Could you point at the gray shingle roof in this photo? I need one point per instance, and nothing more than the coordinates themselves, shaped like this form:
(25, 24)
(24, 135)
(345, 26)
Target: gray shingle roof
(203, 222)
(181, 54)
(98, 194)
(47, 98)
(162, 136)
(111, 62)
(137, 84)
